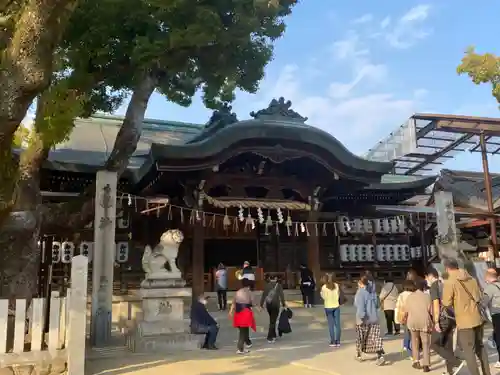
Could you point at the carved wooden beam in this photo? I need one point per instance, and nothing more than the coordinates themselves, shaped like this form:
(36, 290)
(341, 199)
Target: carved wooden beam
(270, 183)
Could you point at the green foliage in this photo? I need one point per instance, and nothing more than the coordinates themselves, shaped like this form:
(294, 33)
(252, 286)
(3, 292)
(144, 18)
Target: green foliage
(482, 69)
(21, 136)
(217, 46)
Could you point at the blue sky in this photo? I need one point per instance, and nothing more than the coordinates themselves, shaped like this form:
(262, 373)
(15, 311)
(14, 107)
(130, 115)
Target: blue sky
(359, 69)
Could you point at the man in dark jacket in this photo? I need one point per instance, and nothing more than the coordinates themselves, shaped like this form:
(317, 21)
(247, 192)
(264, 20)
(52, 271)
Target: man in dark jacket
(307, 286)
(203, 323)
(248, 273)
(273, 298)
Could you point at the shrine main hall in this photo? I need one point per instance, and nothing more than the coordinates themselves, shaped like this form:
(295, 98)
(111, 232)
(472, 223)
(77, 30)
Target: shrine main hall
(271, 190)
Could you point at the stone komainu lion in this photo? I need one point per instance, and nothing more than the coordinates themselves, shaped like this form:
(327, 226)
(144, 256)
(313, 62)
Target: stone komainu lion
(155, 260)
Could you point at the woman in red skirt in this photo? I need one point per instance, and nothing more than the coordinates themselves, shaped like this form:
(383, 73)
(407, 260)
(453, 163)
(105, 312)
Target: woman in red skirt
(242, 314)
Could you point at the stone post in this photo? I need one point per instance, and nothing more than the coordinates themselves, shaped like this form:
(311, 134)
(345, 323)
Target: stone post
(448, 238)
(77, 316)
(103, 257)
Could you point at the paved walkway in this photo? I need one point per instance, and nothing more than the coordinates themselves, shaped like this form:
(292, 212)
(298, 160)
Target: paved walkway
(304, 352)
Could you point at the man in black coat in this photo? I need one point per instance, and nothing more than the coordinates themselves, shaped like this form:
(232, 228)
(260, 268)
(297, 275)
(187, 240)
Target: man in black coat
(203, 323)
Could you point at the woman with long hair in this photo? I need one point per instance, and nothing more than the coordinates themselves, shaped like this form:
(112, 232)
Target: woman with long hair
(330, 292)
(242, 315)
(272, 299)
(368, 339)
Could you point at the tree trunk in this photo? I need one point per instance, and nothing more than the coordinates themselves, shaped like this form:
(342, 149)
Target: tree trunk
(20, 255)
(80, 212)
(26, 71)
(19, 235)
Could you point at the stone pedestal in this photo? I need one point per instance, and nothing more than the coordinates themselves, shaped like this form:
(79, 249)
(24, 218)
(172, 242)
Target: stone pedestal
(163, 328)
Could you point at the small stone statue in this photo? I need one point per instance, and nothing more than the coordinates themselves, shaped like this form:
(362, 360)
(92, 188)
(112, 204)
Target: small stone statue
(154, 260)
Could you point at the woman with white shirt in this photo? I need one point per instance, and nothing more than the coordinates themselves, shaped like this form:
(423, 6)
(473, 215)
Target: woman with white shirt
(388, 297)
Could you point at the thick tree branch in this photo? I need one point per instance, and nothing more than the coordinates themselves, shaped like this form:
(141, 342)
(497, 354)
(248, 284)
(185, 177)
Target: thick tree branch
(27, 60)
(80, 212)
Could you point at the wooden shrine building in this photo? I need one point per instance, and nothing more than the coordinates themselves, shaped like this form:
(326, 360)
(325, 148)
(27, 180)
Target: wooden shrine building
(271, 190)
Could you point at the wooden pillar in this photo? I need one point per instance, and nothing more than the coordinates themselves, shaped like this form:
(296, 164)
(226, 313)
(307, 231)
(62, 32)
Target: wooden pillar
(198, 258)
(313, 260)
(103, 257)
(489, 199)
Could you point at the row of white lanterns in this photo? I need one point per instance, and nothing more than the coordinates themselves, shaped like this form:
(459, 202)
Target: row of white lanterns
(63, 252)
(383, 252)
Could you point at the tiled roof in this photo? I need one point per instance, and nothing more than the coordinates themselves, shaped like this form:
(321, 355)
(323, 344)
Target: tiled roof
(92, 139)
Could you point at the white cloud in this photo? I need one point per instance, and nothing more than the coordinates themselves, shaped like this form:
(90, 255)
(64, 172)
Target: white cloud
(349, 48)
(385, 22)
(357, 119)
(409, 28)
(368, 72)
(363, 19)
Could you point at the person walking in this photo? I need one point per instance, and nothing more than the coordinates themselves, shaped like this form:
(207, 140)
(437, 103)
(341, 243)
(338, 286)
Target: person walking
(330, 292)
(462, 293)
(388, 298)
(368, 339)
(492, 301)
(221, 286)
(400, 313)
(419, 323)
(242, 316)
(444, 324)
(272, 299)
(307, 286)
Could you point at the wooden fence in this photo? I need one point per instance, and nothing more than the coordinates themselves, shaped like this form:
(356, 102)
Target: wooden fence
(48, 333)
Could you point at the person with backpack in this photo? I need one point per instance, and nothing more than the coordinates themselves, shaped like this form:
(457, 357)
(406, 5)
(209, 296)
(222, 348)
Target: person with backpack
(444, 324)
(272, 299)
(462, 293)
(492, 301)
(388, 298)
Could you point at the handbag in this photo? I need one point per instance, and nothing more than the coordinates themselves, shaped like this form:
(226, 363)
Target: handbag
(387, 295)
(480, 307)
(270, 296)
(342, 297)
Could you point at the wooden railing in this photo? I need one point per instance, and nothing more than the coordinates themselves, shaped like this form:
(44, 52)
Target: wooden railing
(47, 330)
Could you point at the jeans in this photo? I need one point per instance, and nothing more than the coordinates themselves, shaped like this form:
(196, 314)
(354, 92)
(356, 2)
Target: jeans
(333, 319)
(495, 318)
(211, 336)
(407, 341)
(442, 344)
(470, 341)
(243, 338)
(390, 323)
(273, 312)
(222, 298)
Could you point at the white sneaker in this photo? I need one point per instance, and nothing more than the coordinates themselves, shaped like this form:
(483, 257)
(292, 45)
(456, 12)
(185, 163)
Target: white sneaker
(244, 351)
(457, 369)
(497, 365)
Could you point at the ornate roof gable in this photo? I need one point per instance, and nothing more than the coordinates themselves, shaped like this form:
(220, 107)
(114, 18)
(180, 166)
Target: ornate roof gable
(219, 120)
(279, 109)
